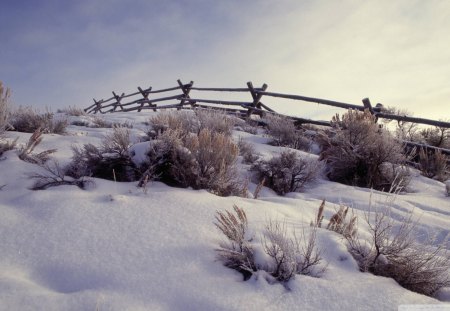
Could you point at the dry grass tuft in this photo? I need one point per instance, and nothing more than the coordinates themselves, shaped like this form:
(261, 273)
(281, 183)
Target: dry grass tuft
(25, 153)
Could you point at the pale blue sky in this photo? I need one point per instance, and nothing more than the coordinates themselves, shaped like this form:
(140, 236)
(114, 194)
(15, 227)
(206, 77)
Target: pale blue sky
(63, 53)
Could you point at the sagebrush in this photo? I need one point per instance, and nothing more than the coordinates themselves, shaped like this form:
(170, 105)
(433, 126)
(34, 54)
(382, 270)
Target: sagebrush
(288, 255)
(287, 172)
(358, 152)
(393, 252)
(28, 120)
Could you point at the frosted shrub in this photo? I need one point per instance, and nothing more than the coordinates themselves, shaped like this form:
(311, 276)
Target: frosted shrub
(434, 165)
(182, 121)
(215, 121)
(4, 108)
(203, 161)
(247, 151)
(28, 120)
(288, 172)
(287, 255)
(437, 136)
(284, 133)
(111, 161)
(358, 151)
(73, 111)
(54, 175)
(392, 252)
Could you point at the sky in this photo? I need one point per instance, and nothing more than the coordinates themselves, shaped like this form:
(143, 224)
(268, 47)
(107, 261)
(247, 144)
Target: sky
(57, 54)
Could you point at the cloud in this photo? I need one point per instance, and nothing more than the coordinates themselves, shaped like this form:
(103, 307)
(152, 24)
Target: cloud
(392, 52)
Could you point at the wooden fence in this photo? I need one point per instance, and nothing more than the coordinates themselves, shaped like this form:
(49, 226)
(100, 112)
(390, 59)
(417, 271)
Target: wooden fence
(145, 99)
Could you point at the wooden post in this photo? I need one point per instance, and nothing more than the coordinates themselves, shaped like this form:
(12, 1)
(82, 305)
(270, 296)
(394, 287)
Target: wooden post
(97, 106)
(145, 95)
(118, 99)
(256, 97)
(368, 105)
(185, 89)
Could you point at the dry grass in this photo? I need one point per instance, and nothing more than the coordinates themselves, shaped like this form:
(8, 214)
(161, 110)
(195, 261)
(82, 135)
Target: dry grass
(237, 252)
(26, 152)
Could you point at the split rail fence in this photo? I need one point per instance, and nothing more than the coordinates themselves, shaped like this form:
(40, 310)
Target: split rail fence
(149, 99)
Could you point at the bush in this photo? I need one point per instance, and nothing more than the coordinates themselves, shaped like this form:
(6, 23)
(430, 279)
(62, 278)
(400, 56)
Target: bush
(247, 151)
(287, 256)
(28, 120)
(111, 161)
(73, 111)
(55, 176)
(288, 172)
(25, 153)
(359, 153)
(215, 121)
(284, 132)
(393, 252)
(206, 161)
(182, 121)
(437, 136)
(434, 164)
(4, 108)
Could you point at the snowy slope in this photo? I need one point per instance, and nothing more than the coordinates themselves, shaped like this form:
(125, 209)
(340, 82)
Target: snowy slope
(114, 247)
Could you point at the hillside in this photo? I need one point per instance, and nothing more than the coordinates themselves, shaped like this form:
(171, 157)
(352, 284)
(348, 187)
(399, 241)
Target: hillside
(115, 246)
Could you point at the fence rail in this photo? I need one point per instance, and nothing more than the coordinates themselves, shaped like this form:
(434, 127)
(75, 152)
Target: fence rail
(252, 106)
(183, 100)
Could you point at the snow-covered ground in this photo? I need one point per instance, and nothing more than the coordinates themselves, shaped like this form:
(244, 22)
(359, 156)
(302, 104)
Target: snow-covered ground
(114, 247)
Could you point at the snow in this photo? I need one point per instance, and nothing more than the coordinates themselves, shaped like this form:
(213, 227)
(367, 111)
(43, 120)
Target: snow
(114, 247)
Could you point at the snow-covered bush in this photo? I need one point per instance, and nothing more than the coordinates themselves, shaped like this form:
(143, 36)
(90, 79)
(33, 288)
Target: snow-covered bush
(288, 256)
(284, 132)
(247, 151)
(358, 153)
(4, 108)
(28, 120)
(73, 111)
(110, 161)
(288, 172)
(55, 175)
(393, 252)
(285, 255)
(215, 121)
(203, 161)
(434, 165)
(437, 136)
(182, 121)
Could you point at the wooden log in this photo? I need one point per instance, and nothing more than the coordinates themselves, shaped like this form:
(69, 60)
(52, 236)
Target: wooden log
(413, 120)
(218, 89)
(218, 102)
(313, 100)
